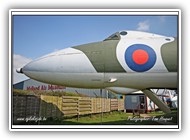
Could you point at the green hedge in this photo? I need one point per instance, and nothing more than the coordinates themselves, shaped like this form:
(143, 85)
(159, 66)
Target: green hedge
(51, 93)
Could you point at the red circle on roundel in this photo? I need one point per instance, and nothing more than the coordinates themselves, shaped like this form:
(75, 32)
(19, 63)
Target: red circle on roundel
(140, 57)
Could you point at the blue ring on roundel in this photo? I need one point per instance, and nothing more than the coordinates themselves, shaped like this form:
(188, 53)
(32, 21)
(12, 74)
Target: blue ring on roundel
(140, 67)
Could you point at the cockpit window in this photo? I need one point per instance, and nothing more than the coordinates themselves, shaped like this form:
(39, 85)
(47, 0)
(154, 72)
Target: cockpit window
(123, 33)
(115, 36)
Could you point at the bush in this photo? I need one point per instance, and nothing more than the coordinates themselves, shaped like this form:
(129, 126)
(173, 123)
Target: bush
(49, 93)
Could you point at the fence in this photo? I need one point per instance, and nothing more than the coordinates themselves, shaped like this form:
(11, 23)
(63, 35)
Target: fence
(57, 107)
(84, 105)
(25, 106)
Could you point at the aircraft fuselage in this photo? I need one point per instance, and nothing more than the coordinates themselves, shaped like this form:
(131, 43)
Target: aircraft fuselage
(127, 59)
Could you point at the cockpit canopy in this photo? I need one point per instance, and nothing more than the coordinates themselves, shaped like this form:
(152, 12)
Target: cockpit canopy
(133, 34)
(116, 36)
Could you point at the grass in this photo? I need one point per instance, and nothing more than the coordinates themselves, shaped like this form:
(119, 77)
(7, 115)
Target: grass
(50, 93)
(160, 114)
(171, 118)
(115, 118)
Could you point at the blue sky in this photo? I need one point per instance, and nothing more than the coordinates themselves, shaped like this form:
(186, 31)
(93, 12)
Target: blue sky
(35, 36)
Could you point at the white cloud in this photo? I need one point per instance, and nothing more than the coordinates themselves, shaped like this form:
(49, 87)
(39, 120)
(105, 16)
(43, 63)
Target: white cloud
(162, 18)
(143, 26)
(18, 62)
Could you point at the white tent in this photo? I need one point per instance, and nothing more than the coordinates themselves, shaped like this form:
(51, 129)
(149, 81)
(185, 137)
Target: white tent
(174, 102)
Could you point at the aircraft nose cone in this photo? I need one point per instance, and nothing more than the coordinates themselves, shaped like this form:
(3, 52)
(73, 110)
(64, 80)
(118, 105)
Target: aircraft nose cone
(64, 61)
(38, 65)
(32, 68)
(19, 70)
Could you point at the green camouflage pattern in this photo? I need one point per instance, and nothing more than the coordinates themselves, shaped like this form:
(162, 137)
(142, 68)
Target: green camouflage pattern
(169, 55)
(102, 55)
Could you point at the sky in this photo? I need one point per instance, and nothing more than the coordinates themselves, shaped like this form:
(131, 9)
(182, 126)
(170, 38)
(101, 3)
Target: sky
(35, 36)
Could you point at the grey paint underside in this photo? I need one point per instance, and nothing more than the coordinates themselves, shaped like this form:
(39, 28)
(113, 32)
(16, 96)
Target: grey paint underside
(152, 96)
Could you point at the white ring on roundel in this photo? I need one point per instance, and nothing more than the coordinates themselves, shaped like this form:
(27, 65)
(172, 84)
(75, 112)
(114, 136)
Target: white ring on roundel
(155, 44)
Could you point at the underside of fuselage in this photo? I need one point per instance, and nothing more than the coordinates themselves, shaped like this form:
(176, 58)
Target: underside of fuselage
(103, 80)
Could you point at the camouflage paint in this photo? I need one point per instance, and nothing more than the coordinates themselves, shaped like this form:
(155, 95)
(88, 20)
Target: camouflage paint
(169, 55)
(102, 55)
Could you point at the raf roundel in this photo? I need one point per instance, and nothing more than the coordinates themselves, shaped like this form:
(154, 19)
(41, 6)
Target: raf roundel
(140, 57)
